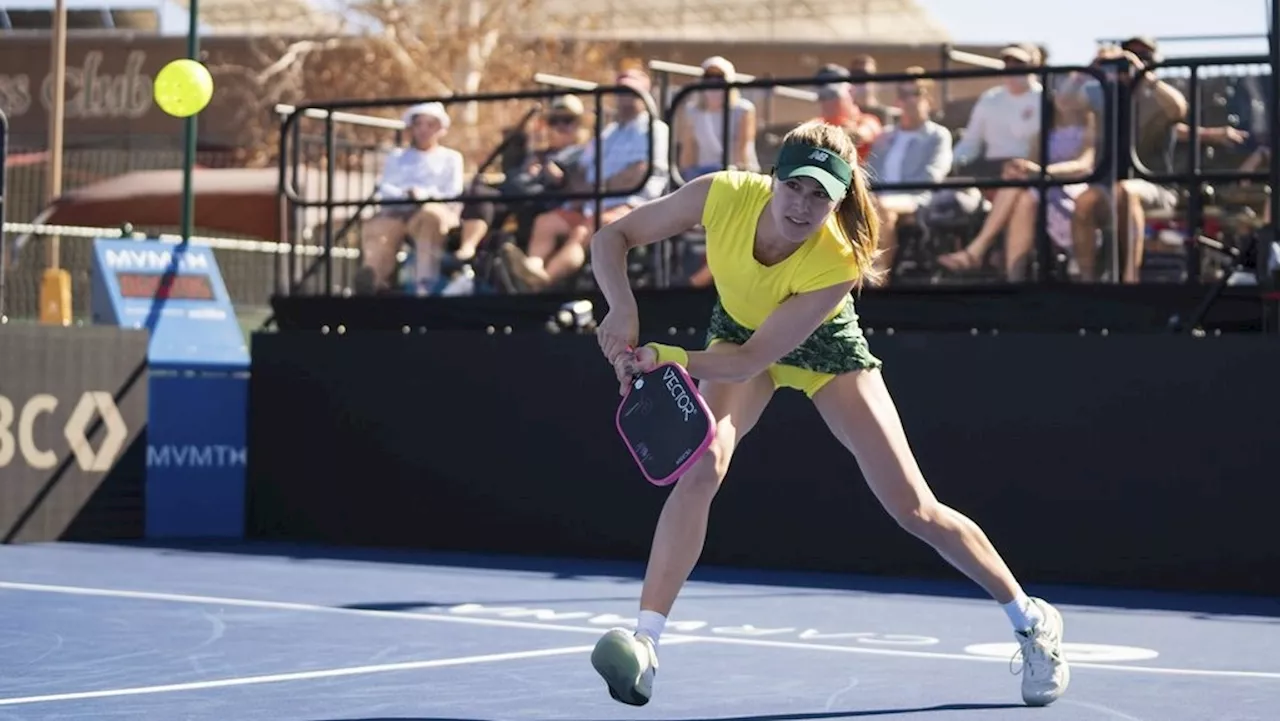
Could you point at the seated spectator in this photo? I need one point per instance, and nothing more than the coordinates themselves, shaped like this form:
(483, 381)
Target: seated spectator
(1003, 121)
(1072, 141)
(428, 173)
(625, 162)
(701, 135)
(837, 107)
(1148, 111)
(915, 150)
(562, 138)
(865, 93)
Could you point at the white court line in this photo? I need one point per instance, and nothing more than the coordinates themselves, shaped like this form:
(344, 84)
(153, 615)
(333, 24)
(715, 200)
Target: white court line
(297, 676)
(968, 657)
(506, 623)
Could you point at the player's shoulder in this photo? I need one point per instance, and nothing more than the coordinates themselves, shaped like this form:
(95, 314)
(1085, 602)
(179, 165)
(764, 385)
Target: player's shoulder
(832, 244)
(729, 190)
(992, 94)
(739, 182)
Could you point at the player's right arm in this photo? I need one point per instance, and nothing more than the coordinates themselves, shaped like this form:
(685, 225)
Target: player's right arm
(656, 220)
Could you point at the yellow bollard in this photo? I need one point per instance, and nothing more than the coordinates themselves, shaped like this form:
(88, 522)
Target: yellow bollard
(55, 297)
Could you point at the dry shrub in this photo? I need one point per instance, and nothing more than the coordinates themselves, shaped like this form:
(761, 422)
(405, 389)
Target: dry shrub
(432, 49)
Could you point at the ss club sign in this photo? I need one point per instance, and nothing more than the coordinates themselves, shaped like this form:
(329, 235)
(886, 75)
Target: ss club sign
(23, 442)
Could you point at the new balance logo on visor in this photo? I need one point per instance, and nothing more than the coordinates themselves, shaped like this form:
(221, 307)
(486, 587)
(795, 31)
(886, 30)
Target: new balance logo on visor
(819, 156)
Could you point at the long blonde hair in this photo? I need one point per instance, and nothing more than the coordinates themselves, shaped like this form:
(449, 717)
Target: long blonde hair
(856, 211)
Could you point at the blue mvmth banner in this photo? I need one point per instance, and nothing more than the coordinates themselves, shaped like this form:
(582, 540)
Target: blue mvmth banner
(196, 455)
(198, 361)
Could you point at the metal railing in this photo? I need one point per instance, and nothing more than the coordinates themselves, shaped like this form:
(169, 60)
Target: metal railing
(1042, 180)
(1107, 158)
(289, 191)
(4, 173)
(948, 56)
(290, 270)
(1195, 178)
(664, 70)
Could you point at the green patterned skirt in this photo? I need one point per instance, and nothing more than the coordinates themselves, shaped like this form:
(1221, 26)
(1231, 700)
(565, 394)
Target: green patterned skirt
(837, 346)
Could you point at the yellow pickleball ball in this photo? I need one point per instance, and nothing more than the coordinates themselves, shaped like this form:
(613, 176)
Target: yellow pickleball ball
(183, 88)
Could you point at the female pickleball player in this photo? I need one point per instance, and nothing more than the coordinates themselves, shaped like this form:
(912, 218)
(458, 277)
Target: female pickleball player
(786, 253)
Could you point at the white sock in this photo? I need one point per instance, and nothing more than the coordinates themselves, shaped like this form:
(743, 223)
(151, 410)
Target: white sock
(651, 624)
(1022, 614)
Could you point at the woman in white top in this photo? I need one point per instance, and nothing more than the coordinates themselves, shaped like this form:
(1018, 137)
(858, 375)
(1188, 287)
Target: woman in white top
(1072, 138)
(702, 132)
(425, 171)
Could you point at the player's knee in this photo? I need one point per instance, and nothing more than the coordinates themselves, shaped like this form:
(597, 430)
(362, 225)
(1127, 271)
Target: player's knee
(920, 520)
(703, 477)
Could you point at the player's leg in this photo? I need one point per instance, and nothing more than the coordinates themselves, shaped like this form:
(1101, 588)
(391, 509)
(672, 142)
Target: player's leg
(682, 525)
(861, 414)
(628, 661)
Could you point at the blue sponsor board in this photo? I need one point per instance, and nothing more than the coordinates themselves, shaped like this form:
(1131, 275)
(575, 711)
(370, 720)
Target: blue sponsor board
(198, 364)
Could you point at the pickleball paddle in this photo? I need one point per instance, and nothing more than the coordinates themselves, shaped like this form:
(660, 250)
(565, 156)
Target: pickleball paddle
(665, 423)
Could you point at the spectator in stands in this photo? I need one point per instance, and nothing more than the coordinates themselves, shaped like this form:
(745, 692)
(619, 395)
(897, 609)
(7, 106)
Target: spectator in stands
(1234, 141)
(915, 150)
(1249, 106)
(837, 107)
(864, 93)
(701, 135)
(1072, 142)
(626, 163)
(1003, 121)
(426, 172)
(562, 138)
(1148, 111)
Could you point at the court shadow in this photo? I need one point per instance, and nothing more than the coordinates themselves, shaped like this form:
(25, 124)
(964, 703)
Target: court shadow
(601, 571)
(426, 605)
(862, 713)
(811, 716)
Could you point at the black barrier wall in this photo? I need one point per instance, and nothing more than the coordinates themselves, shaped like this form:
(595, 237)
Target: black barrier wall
(1128, 461)
(73, 415)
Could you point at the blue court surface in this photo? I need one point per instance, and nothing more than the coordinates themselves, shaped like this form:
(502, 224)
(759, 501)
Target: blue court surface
(291, 634)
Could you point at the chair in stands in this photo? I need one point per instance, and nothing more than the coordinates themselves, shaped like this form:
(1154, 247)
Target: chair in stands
(947, 223)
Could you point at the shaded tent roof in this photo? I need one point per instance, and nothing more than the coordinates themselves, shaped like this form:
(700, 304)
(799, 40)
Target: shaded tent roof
(237, 201)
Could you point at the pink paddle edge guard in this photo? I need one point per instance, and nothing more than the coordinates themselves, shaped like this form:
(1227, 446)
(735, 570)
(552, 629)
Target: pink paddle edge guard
(697, 453)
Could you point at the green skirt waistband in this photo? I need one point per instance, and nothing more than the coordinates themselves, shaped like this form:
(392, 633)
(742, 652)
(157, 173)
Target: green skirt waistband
(837, 346)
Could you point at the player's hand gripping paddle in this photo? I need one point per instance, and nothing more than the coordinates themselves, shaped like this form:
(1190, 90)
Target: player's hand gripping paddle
(665, 423)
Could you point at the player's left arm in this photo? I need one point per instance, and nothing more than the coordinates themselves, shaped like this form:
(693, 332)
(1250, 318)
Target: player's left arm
(782, 332)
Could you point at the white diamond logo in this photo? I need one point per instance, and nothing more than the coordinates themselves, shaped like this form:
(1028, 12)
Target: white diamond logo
(77, 431)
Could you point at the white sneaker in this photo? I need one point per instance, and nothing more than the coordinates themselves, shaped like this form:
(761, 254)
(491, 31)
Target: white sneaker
(1045, 673)
(627, 662)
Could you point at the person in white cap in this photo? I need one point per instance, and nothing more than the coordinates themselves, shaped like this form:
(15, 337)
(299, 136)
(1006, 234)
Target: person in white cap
(424, 171)
(625, 163)
(1004, 121)
(702, 136)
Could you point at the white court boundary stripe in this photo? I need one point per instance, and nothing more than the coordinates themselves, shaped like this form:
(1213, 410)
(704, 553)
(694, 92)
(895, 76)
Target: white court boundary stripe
(296, 676)
(506, 623)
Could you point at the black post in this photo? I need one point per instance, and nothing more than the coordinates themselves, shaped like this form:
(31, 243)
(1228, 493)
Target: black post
(4, 171)
(1274, 118)
(1044, 257)
(1195, 197)
(330, 173)
(189, 148)
(1263, 249)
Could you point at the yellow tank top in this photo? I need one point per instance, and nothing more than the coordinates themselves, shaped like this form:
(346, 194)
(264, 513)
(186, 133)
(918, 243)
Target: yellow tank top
(749, 290)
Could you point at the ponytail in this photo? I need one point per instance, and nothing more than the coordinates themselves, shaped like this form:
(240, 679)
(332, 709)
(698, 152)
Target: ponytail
(857, 217)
